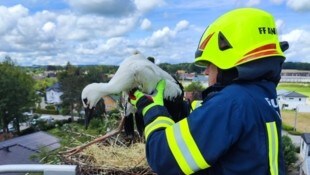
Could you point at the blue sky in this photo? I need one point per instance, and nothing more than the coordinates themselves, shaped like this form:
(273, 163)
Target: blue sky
(54, 32)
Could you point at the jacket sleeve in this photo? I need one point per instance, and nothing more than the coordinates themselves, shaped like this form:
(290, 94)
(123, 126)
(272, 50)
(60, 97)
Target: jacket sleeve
(196, 142)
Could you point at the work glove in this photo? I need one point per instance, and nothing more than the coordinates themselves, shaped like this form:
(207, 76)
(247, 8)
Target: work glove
(150, 106)
(155, 114)
(143, 102)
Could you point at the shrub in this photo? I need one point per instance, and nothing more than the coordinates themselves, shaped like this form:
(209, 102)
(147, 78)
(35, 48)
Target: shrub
(81, 121)
(294, 132)
(65, 111)
(46, 111)
(286, 127)
(95, 123)
(50, 107)
(288, 148)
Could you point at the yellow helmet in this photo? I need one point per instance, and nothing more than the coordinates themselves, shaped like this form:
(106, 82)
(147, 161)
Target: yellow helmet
(238, 37)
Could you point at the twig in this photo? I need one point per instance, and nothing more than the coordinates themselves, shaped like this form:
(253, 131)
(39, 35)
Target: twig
(102, 138)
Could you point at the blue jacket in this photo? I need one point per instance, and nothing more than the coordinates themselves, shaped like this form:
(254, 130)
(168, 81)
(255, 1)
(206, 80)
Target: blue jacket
(236, 131)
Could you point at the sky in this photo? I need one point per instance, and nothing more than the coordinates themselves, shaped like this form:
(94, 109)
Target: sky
(105, 32)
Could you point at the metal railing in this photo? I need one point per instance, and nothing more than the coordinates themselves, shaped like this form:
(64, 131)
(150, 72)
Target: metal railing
(46, 169)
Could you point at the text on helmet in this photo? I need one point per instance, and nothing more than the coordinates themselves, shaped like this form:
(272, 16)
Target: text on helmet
(267, 30)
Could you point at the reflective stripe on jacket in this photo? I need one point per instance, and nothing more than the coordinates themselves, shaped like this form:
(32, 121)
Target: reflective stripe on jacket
(195, 104)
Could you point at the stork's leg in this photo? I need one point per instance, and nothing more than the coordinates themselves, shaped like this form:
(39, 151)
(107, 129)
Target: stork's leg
(139, 123)
(129, 127)
(99, 139)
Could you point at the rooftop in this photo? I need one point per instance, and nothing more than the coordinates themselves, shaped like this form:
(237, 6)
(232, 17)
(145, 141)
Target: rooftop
(18, 150)
(55, 87)
(286, 93)
(306, 137)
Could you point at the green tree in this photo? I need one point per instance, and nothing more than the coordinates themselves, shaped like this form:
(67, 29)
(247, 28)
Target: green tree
(196, 88)
(288, 147)
(96, 74)
(71, 83)
(41, 85)
(17, 94)
(74, 79)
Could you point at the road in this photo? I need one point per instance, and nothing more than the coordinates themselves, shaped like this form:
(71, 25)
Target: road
(62, 117)
(24, 126)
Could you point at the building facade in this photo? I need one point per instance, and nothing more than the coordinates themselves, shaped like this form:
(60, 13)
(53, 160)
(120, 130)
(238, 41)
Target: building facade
(290, 100)
(53, 94)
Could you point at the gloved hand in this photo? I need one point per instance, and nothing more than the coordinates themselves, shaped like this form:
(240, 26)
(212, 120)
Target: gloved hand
(155, 114)
(144, 102)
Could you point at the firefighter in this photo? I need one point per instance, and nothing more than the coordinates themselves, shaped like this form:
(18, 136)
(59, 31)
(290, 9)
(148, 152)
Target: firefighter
(237, 128)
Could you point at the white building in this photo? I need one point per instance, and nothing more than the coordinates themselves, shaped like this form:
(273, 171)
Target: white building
(290, 75)
(305, 154)
(53, 94)
(291, 100)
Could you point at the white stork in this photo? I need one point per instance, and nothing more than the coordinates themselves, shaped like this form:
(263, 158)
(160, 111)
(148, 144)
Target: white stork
(135, 71)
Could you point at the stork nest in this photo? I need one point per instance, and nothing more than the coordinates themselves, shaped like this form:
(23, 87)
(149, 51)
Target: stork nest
(111, 159)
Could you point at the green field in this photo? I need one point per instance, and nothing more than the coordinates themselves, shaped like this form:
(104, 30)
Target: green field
(302, 120)
(302, 88)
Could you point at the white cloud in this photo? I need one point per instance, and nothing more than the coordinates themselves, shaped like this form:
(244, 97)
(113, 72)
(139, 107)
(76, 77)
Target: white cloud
(144, 6)
(293, 36)
(146, 24)
(181, 25)
(277, 1)
(280, 26)
(49, 27)
(159, 37)
(164, 35)
(300, 5)
(279, 23)
(10, 16)
(47, 34)
(299, 41)
(18, 10)
(103, 7)
(252, 3)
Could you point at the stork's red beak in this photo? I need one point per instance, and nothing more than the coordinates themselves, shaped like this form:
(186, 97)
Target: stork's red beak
(88, 116)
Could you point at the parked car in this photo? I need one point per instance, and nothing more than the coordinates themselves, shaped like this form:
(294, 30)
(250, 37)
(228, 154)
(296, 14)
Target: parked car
(10, 127)
(44, 118)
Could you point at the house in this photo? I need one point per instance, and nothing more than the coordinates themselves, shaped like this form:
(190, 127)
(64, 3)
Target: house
(291, 100)
(182, 75)
(53, 94)
(19, 149)
(201, 78)
(111, 102)
(305, 154)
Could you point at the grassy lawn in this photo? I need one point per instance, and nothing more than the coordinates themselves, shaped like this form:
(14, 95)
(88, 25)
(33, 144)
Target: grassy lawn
(288, 117)
(302, 122)
(302, 88)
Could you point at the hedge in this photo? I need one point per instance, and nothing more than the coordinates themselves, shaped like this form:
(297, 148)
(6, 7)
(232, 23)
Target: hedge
(46, 111)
